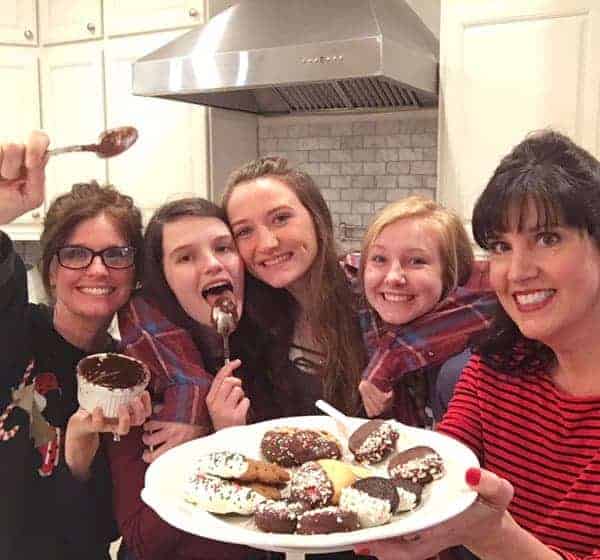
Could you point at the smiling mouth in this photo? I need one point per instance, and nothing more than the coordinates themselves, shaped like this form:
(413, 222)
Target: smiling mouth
(277, 260)
(397, 298)
(90, 291)
(533, 300)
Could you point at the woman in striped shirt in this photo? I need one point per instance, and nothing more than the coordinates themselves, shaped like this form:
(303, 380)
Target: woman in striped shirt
(528, 403)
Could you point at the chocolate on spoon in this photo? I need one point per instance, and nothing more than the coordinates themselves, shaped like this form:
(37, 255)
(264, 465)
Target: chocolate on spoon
(110, 143)
(224, 318)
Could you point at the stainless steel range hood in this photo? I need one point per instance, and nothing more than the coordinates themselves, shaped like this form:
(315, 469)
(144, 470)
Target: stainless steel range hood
(297, 56)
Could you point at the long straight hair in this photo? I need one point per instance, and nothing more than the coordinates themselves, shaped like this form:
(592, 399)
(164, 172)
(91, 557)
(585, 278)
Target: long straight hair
(331, 310)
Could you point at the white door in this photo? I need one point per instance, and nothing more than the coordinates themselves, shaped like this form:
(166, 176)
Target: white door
(508, 68)
(169, 158)
(135, 16)
(20, 114)
(18, 24)
(63, 21)
(73, 112)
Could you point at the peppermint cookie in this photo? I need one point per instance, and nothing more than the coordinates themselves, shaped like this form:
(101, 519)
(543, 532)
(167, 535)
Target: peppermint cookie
(291, 447)
(327, 520)
(311, 485)
(108, 381)
(373, 499)
(373, 441)
(320, 483)
(419, 464)
(225, 464)
(220, 496)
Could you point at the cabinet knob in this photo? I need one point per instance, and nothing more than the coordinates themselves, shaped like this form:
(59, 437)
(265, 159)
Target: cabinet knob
(193, 12)
(36, 215)
(91, 27)
(28, 34)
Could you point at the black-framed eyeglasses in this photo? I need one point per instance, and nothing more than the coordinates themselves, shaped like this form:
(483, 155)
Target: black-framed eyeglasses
(77, 257)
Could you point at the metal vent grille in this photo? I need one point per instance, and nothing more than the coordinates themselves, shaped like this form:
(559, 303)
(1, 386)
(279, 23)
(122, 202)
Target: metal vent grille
(350, 94)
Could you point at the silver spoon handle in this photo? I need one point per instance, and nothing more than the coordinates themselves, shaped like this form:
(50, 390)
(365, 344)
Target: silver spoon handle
(65, 150)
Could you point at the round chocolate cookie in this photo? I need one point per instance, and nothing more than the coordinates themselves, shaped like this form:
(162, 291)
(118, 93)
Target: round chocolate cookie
(409, 494)
(311, 485)
(278, 516)
(419, 464)
(373, 441)
(374, 500)
(290, 447)
(327, 520)
(379, 487)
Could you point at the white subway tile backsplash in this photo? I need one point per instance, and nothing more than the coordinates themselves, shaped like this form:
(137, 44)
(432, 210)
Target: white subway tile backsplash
(363, 181)
(386, 181)
(361, 162)
(422, 167)
(398, 168)
(374, 169)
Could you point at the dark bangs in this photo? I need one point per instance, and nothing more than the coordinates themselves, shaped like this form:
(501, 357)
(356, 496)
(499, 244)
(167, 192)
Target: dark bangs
(560, 198)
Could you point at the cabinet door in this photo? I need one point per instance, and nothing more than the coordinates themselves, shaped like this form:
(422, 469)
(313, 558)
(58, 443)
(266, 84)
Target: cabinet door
(136, 16)
(63, 21)
(169, 158)
(20, 114)
(18, 24)
(73, 112)
(508, 68)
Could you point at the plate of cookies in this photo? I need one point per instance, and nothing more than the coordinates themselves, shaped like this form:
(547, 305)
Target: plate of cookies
(298, 484)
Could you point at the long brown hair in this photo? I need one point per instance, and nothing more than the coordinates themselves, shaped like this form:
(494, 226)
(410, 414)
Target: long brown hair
(331, 310)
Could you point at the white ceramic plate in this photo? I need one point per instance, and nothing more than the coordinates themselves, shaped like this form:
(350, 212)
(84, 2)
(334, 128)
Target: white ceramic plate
(165, 479)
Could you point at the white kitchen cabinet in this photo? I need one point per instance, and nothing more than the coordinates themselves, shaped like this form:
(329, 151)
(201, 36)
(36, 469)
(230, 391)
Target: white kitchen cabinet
(137, 16)
(169, 158)
(508, 68)
(20, 113)
(18, 23)
(64, 21)
(73, 112)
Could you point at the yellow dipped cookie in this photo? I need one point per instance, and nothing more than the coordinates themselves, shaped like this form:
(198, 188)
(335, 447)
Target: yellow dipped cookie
(340, 474)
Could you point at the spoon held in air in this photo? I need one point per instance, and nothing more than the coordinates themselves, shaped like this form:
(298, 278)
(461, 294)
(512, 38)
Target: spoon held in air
(111, 143)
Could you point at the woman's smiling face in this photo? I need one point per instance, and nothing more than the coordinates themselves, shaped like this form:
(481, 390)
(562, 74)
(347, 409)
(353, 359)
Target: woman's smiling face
(403, 272)
(274, 232)
(201, 262)
(547, 278)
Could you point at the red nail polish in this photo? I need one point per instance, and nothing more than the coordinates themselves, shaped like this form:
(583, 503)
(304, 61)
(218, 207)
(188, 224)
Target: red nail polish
(473, 476)
(363, 551)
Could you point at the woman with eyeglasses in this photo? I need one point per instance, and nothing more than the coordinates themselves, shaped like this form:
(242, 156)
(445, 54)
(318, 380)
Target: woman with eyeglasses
(55, 482)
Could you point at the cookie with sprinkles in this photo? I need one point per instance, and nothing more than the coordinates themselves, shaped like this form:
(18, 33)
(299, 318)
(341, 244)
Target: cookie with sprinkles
(419, 464)
(290, 447)
(226, 464)
(220, 496)
(278, 516)
(373, 441)
(327, 520)
(311, 485)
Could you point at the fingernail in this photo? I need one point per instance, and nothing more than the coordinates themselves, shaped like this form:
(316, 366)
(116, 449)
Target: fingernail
(363, 551)
(473, 476)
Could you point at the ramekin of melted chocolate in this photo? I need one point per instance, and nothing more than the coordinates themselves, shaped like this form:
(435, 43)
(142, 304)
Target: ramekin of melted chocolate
(109, 381)
(113, 371)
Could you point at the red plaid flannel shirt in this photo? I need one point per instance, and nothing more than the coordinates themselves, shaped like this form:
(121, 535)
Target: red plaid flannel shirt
(177, 369)
(429, 340)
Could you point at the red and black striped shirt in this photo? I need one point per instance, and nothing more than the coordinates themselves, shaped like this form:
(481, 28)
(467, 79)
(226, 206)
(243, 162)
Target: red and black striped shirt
(545, 442)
